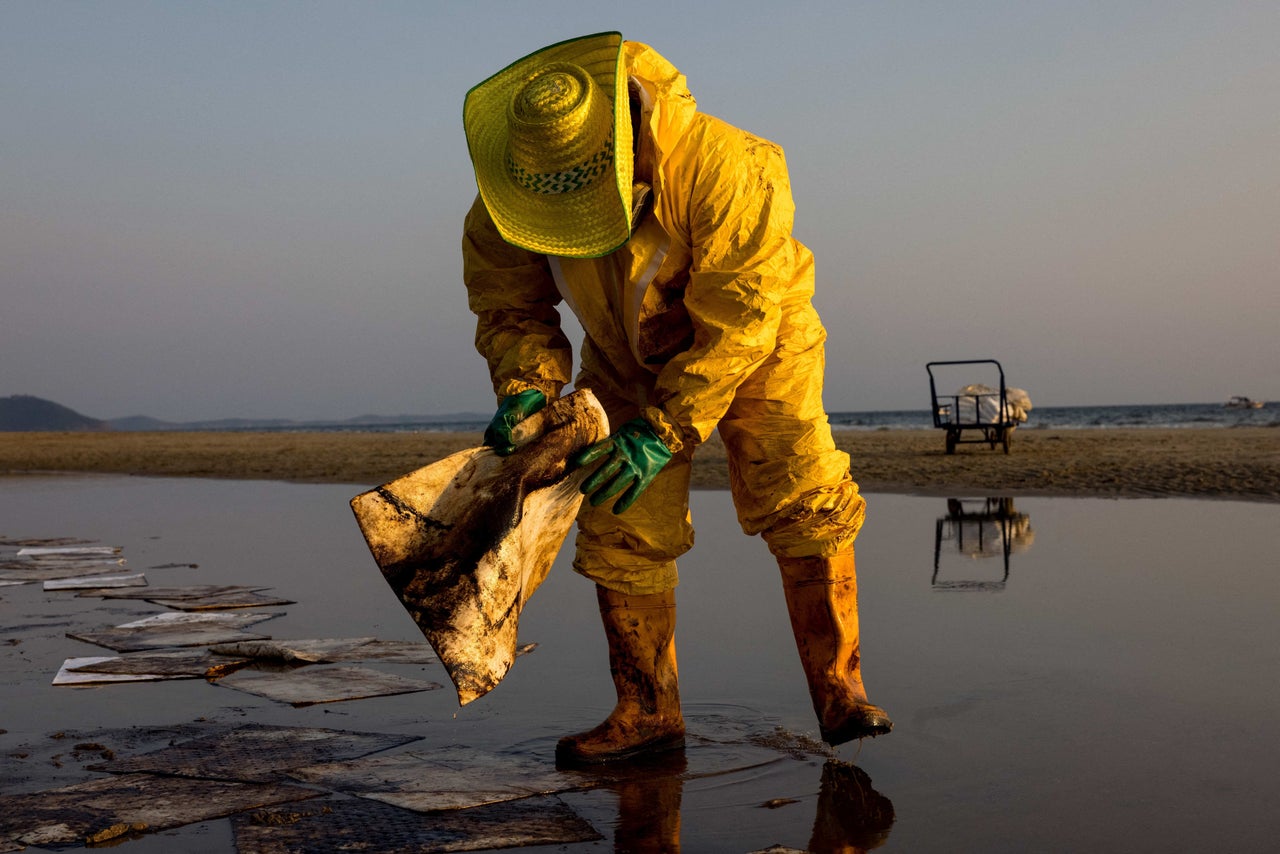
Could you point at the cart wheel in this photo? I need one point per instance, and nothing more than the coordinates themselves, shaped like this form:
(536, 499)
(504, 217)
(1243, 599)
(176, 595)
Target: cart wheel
(951, 441)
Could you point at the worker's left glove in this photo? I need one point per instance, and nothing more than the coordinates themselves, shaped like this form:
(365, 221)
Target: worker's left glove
(513, 409)
(632, 456)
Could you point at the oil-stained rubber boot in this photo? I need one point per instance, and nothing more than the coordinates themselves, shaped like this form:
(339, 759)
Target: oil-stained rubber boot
(640, 631)
(822, 599)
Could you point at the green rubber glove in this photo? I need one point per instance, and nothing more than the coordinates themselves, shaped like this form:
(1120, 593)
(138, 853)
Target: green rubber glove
(632, 456)
(513, 409)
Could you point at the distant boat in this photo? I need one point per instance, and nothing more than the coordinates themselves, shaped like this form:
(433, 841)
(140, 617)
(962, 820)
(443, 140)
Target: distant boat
(1239, 401)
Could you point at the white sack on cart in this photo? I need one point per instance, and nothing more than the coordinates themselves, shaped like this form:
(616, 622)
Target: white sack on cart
(980, 404)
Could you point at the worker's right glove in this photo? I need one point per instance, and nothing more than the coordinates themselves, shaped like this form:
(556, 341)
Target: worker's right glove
(633, 456)
(513, 409)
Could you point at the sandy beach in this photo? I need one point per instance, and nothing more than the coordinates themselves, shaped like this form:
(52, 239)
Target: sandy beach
(1232, 463)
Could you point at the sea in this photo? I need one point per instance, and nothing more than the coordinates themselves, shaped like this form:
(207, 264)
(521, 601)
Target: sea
(1158, 415)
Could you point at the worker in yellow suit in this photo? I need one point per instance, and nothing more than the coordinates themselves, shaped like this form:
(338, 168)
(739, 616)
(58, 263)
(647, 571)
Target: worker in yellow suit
(667, 232)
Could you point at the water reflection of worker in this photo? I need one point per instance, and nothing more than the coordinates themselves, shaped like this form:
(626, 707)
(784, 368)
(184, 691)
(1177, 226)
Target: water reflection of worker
(851, 816)
(668, 234)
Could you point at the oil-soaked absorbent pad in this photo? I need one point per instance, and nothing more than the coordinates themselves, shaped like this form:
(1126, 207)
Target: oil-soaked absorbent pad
(73, 813)
(354, 825)
(256, 753)
(174, 629)
(307, 686)
(464, 542)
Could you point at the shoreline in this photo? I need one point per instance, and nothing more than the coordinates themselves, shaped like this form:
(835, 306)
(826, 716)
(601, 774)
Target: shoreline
(1235, 463)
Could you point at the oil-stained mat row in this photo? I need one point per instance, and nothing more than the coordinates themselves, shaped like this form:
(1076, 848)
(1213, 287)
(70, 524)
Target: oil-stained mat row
(263, 754)
(241, 771)
(451, 799)
(147, 667)
(297, 686)
(255, 753)
(329, 650)
(309, 686)
(66, 564)
(201, 597)
(26, 570)
(464, 778)
(52, 561)
(102, 809)
(188, 625)
(97, 582)
(342, 825)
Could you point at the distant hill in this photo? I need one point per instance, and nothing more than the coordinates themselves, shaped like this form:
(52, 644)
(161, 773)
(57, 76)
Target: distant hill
(22, 412)
(141, 422)
(145, 422)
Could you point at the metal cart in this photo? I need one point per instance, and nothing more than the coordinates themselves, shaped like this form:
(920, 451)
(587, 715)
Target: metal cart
(956, 413)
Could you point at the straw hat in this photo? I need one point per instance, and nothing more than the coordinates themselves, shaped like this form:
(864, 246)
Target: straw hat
(550, 139)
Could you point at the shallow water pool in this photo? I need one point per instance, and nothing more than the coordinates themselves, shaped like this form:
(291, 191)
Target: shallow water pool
(1107, 682)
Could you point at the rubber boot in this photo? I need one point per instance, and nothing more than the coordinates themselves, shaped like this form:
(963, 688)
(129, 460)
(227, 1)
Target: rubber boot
(822, 598)
(640, 631)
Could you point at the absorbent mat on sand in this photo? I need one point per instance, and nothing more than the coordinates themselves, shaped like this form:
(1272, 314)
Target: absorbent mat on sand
(68, 551)
(174, 629)
(442, 780)
(332, 826)
(170, 619)
(256, 753)
(466, 541)
(190, 591)
(200, 597)
(112, 806)
(68, 675)
(308, 686)
(147, 666)
(222, 601)
(16, 570)
(462, 778)
(97, 582)
(330, 650)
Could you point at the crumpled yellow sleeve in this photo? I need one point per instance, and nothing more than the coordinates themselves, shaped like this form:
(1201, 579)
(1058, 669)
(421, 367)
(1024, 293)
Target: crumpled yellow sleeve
(744, 263)
(514, 297)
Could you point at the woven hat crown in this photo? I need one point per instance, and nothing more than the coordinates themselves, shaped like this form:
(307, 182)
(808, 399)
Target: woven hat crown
(559, 121)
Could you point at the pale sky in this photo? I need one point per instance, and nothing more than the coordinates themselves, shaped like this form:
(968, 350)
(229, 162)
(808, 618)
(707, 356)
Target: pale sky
(253, 209)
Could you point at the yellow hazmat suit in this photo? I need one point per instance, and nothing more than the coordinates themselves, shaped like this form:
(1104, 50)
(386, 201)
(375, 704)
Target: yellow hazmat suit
(703, 320)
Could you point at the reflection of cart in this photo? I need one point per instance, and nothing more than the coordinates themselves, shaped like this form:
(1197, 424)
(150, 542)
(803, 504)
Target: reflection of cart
(980, 528)
(985, 412)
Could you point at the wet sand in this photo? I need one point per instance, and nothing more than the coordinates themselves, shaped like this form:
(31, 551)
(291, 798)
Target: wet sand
(1234, 463)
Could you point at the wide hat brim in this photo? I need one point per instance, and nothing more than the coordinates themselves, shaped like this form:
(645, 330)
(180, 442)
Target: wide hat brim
(585, 223)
